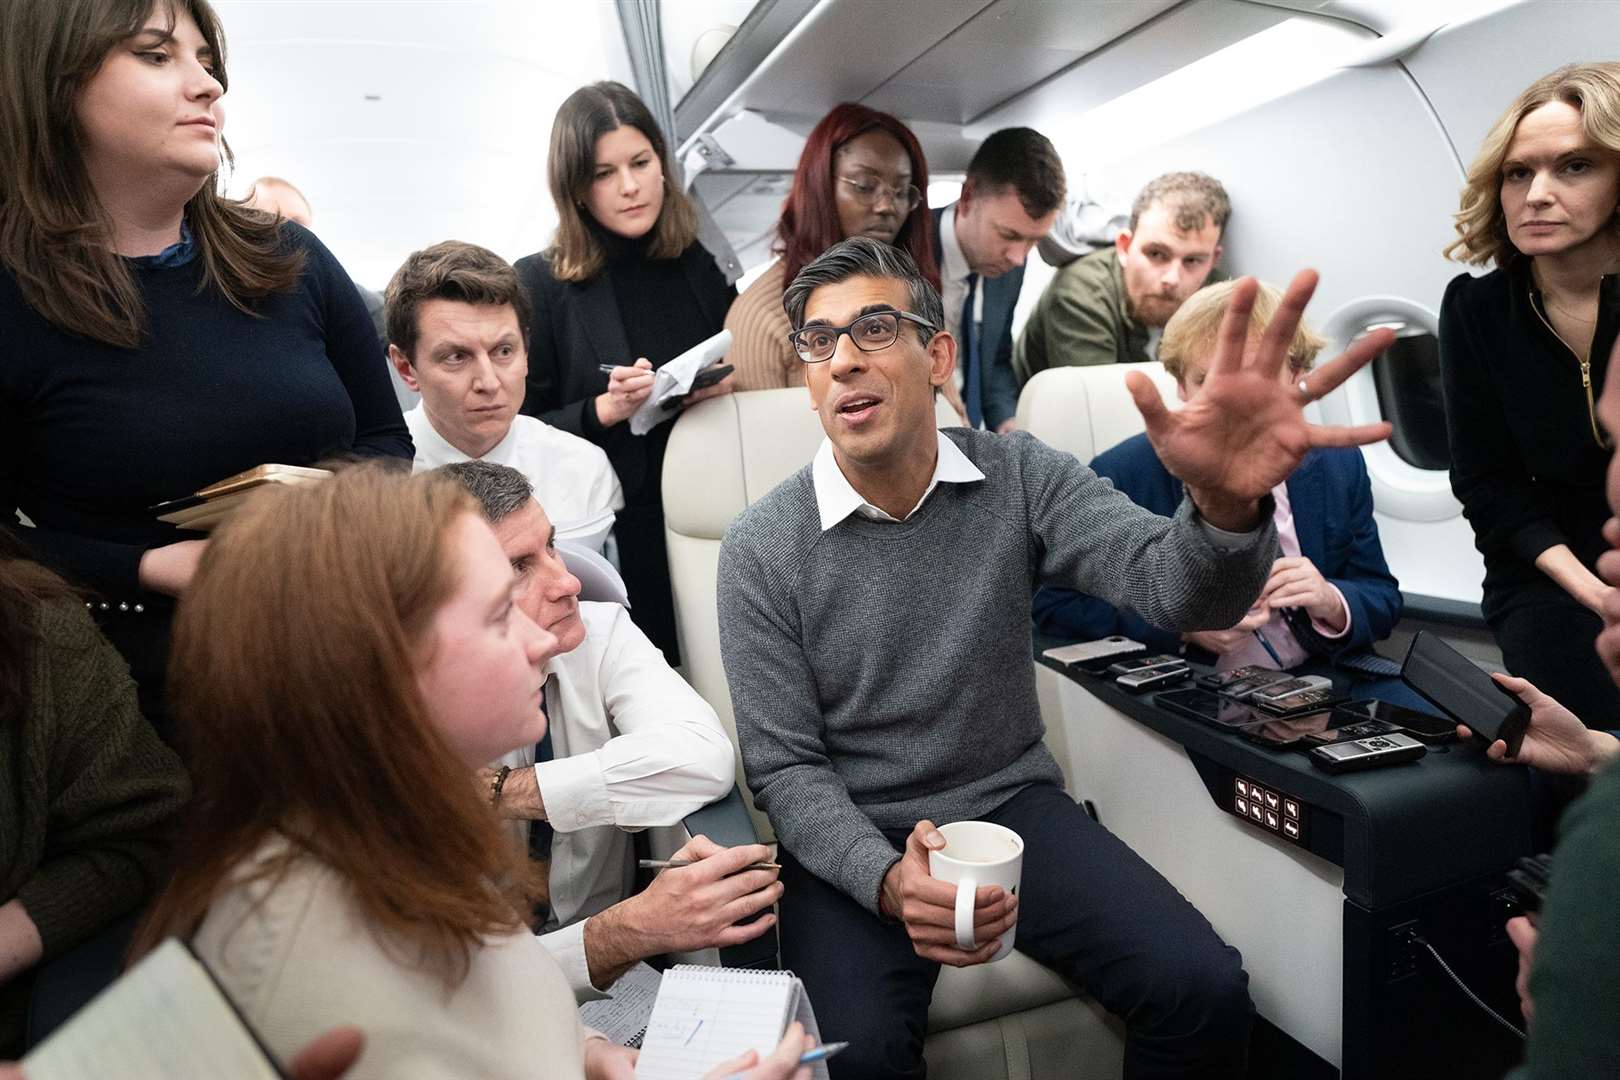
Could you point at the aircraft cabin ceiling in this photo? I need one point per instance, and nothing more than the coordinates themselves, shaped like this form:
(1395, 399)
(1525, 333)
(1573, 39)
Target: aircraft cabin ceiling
(412, 122)
(792, 60)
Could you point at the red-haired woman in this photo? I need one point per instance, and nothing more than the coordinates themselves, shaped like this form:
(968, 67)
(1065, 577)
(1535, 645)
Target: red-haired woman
(862, 173)
(338, 865)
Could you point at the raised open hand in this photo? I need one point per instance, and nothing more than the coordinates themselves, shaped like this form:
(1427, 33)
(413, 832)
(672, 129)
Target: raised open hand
(1245, 430)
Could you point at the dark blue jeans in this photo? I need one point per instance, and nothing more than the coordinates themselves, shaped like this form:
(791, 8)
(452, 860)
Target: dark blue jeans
(1089, 908)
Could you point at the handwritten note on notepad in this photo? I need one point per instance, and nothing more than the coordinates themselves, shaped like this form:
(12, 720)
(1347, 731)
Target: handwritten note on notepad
(705, 1016)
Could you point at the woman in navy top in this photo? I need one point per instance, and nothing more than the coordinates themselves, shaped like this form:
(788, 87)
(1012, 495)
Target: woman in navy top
(154, 336)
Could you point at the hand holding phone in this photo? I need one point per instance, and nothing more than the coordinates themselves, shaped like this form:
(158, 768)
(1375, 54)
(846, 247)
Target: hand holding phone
(1463, 691)
(709, 376)
(1555, 740)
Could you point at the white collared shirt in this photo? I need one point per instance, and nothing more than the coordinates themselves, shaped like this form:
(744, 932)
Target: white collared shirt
(634, 746)
(836, 498)
(572, 478)
(953, 275)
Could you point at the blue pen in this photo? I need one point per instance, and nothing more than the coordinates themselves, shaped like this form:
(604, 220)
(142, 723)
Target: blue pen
(810, 1056)
(1266, 645)
(821, 1053)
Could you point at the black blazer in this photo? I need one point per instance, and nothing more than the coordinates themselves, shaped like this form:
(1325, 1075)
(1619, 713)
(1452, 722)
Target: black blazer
(1525, 461)
(998, 385)
(576, 326)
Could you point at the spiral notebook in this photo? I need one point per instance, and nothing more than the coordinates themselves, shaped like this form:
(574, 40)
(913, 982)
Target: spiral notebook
(705, 1016)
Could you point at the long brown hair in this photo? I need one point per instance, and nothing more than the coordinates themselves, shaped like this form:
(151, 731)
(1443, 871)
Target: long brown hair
(1593, 90)
(55, 235)
(25, 587)
(293, 684)
(576, 253)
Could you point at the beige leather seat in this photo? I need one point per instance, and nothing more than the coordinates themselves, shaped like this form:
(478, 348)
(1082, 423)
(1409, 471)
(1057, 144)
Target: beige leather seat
(1086, 410)
(1014, 1019)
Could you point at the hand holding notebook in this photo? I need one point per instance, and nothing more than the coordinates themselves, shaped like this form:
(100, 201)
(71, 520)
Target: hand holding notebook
(707, 1017)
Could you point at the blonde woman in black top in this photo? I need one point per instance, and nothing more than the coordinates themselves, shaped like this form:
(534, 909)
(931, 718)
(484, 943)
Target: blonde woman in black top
(1523, 353)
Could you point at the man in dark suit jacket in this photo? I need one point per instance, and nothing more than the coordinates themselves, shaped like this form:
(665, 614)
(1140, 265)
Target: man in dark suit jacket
(1329, 594)
(1011, 197)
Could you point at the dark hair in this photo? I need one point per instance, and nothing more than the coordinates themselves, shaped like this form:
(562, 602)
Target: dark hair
(25, 587)
(55, 234)
(1193, 197)
(500, 489)
(451, 270)
(862, 256)
(809, 222)
(576, 252)
(1026, 161)
(293, 678)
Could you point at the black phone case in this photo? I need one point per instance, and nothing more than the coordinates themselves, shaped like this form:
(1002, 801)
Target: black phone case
(1452, 683)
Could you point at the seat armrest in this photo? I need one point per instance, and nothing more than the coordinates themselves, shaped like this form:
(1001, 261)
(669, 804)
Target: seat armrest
(727, 822)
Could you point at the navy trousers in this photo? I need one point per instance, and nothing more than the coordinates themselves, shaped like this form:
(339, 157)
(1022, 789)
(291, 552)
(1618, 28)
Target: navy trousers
(1089, 908)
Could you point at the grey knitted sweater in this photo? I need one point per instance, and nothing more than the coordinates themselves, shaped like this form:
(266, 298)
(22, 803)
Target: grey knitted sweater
(881, 673)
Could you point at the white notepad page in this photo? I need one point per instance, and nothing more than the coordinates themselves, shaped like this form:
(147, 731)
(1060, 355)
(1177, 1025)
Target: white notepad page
(164, 1019)
(706, 1015)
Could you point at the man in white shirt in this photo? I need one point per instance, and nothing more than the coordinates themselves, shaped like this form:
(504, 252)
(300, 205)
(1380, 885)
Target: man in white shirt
(630, 746)
(1010, 198)
(457, 317)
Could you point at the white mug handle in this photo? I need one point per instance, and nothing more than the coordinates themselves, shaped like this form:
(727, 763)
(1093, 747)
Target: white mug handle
(966, 890)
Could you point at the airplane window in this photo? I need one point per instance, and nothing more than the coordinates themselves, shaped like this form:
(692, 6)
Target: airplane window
(1407, 377)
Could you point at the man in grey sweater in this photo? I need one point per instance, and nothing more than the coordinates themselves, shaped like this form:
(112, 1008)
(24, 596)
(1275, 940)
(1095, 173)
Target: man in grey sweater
(875, 629)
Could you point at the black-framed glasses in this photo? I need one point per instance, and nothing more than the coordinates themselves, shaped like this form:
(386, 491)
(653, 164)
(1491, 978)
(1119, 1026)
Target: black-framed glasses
(869, 192)
(816, 344)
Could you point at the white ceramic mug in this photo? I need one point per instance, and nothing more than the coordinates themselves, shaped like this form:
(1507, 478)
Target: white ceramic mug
(978, 853)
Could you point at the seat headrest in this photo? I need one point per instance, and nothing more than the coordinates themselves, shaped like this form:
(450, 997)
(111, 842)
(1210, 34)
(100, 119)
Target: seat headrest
(730, 450)
(1086, 410)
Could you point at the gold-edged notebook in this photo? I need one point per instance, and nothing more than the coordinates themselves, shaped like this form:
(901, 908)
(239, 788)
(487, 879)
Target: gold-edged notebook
(209, 507)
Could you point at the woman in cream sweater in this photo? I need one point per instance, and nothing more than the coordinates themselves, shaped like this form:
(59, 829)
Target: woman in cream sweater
(347, 656)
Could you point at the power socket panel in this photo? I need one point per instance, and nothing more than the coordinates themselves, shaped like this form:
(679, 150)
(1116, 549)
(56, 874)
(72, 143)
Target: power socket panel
(1402, 949)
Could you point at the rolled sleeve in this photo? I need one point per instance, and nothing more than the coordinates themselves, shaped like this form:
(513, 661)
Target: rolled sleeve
(567, 947)
(661, 752)
(575, 792)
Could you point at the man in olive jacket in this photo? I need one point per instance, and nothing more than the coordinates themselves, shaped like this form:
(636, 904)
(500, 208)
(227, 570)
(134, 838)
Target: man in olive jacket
(1108, 307)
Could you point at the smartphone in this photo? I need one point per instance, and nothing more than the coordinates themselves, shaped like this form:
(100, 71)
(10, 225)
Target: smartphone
(1287, 687)
(1093, 656)
(1143, 663)
(710, 375)
(1153, 678)
(1309, 700)
(1370, 753)
(1207, 706)
(1321, 728)
(1259, 680)
(1425, 727)
(1463, 691)
(1220, 680)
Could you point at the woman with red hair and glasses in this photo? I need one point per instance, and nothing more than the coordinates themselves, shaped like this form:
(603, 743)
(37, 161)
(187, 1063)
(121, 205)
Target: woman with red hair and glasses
(862, 173)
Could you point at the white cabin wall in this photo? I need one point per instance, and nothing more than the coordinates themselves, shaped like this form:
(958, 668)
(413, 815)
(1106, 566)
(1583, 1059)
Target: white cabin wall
(1349, 175)
(407, 124)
